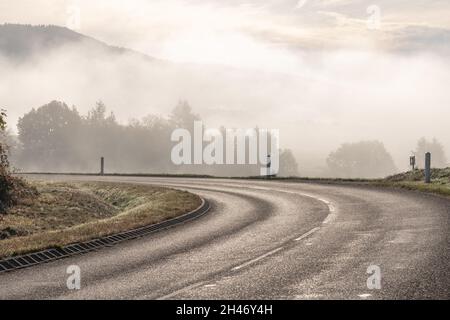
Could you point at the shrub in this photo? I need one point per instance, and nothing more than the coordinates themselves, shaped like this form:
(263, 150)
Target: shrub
(11, 188)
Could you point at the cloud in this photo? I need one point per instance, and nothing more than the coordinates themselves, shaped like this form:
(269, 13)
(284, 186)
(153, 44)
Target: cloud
(149, 26)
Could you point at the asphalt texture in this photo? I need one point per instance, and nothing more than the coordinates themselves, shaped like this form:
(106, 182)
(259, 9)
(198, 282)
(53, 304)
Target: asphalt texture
(266, 240)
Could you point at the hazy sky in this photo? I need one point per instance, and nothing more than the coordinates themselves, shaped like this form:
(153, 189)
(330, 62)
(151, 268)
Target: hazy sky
(245, 33)
(324, 71)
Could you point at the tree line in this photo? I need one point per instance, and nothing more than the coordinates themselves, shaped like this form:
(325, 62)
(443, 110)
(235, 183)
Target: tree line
(370, 159)
(57, 138)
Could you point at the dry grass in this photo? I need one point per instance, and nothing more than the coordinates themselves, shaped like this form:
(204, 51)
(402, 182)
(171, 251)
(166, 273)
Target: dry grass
(67, 213)
(414, 180)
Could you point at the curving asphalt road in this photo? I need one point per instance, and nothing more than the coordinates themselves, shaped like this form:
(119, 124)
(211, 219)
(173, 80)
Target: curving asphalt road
(267, 240)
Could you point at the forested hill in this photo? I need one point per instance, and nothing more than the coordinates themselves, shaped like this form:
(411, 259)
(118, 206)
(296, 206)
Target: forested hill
(21, 42)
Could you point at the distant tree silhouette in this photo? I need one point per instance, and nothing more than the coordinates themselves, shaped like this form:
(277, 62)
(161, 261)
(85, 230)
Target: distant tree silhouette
(438, 158)
(56, 138)
(49, 135)
(97, 116)
(182, 115)
(365, 159)
(288, 164)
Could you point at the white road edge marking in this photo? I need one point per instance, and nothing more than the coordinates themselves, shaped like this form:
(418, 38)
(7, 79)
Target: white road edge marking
(175, 293)
(331, 216)
(310, 232)
(332, 210)
(257, 259)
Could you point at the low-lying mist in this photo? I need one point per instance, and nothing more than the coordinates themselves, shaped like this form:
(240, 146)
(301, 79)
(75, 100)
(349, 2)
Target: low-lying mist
(325, 99)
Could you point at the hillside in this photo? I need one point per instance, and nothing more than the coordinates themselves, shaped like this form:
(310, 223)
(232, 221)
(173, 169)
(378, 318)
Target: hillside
(22, 42)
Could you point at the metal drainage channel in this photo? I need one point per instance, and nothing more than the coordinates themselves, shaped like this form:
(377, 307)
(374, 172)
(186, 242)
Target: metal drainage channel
(48, 255)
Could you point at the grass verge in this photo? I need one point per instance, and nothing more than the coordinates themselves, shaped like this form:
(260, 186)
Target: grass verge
(412, 180)
(63, 213)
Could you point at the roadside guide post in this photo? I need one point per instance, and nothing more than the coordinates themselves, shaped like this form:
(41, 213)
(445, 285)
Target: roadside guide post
(412, 162)
(428, 167)
(102, 166)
